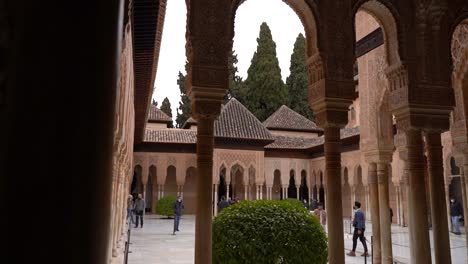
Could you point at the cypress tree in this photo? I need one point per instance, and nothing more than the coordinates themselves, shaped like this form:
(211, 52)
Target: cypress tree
(185, 108)
(166, 108)
(298, 80)
(266, 91)
(236, 84)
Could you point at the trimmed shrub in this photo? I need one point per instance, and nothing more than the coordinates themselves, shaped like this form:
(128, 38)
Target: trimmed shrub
(268, 232)
(293, 201)
(165, 206)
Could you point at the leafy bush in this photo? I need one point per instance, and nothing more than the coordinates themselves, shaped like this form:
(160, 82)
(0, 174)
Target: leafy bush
(165, 206)
(293, 201)
(270, 232)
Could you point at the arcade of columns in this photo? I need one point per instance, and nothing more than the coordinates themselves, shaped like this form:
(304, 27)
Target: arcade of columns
(420, 98)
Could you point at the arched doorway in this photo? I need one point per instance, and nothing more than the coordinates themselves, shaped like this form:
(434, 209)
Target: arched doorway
(170, 185)
(190, 191)
(237, 183)
(252, 184)
(222, 187)
(359, 189)
(304, 189)
(276, 193)
(137, 185)
(346, 195)
(292, 190)
(321, 190)
(149, 195)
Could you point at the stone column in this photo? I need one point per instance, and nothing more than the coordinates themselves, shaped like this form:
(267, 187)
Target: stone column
(464, 193)
(215, 205)
(162, 190)
(437, 192)
(384, 213)
(261, 192)
(297, 191)
(398, 208)
(333, 200)
(246, 191)
(447, 203)
(227, 190)
(375, 212)
(418, 225)
(205, 143)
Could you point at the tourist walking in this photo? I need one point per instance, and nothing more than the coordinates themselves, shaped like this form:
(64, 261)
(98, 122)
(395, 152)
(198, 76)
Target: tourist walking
(313, 205)
(178, 207)
(222, 204)
(130, 206)
(321, 214)
(359, 224)
(139, 209)
(455, 213)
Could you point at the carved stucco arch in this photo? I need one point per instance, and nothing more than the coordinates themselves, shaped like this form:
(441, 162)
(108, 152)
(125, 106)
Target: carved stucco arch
(243, 168)
(389, 19)
(305, 10)
(459, 49)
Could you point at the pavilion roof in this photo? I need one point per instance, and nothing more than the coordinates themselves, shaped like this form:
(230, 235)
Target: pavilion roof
(287, 119)
(180, 136)
(158, 116)
(236, 121)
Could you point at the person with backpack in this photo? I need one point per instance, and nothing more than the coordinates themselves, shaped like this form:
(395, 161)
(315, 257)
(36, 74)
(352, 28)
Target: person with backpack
(178, 207)
(222, 204)
(359, 224)
(139, 209)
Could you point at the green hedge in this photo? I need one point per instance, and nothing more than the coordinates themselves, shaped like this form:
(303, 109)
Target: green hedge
(165, 206)
(293, 201)
(268, 232)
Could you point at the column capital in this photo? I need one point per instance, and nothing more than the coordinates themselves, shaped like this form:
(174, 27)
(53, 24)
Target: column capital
(378, 156)
(372, 176)
(205, 108)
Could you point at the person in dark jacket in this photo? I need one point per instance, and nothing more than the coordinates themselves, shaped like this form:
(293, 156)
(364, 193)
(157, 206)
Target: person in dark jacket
(359, 224)
(139, 209)
(178, 207)
(222, 204)
(455, 214)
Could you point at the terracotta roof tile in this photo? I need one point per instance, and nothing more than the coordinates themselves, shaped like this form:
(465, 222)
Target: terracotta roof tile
(172, 135)
(156, 115)
(287, 119)
(284, 142)
(287, 142)
(189, 122)
(236, 121)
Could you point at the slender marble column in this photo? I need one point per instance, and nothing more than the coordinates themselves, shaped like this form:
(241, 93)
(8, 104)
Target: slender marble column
(333, 202)
(418, 225)
(375, 212)
(384, 213)
(437, 192)
(205, 143)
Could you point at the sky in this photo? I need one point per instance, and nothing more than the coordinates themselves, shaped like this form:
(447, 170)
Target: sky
(283, 22)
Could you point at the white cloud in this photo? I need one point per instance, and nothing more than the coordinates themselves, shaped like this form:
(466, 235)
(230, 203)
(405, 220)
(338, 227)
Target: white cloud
(282, 20)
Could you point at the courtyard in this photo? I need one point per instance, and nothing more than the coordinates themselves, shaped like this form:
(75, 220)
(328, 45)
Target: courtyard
(155, 243)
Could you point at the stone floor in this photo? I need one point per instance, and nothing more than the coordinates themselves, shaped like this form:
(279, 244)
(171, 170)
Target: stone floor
(155, 243)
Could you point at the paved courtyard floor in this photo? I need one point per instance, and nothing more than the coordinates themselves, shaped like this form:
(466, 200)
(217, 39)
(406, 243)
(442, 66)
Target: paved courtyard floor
(155, 244)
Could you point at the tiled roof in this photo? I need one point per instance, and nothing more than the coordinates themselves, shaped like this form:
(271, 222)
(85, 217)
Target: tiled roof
(189, 122)
(156, 115)
(287, 119)
(284, 142)
(287, 142)
(236, 121)
(349, 132)
(173, 135)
